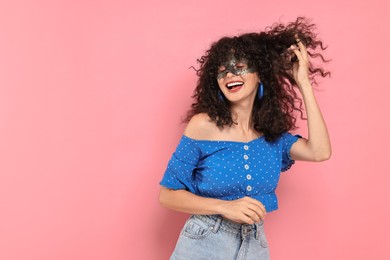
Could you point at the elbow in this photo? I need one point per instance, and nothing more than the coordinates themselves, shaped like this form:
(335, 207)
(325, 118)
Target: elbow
(164, 197)
(323, 156)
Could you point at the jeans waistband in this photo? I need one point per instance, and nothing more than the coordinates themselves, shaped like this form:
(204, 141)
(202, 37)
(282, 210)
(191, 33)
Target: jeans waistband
(217, 222)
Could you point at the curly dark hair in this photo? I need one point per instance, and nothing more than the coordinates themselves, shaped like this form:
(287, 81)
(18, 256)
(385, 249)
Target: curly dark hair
(266, 52)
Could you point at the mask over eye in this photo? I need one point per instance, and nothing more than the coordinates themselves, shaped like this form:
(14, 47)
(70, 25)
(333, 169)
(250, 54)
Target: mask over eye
(231, 66)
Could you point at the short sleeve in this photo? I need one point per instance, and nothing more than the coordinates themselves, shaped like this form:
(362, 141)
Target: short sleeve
(179, 173)
(287, 141)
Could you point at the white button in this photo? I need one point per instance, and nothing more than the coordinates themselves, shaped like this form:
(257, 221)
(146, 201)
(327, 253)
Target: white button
(246, 157)
(249, 176)
(246, 147)
(248, 188)
(246, 166)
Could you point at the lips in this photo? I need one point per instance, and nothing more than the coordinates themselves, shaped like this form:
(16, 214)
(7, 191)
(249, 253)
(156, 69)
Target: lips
(234, 86)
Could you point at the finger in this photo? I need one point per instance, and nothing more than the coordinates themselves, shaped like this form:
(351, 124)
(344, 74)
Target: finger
(253, 217)
(297, 53)
(254, 213)
(302, 47)
(252, 200)
(258, 204)
(247, 219)
(295, 69)
(260, 212)
(259, 209)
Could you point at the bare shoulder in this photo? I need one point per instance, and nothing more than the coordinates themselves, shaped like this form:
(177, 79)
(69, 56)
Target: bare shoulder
(200, 127)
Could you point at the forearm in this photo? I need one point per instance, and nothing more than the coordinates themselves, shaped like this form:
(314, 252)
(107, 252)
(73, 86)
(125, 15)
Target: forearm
(184, 201)
(318, 137)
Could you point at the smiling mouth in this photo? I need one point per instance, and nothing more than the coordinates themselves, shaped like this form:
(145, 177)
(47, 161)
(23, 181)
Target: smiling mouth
(235, 84)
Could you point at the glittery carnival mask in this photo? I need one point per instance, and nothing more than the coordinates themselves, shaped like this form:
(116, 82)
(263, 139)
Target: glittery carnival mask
(235, 67)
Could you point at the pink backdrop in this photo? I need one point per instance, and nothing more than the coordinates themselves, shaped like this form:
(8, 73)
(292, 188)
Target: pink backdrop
(91, 96)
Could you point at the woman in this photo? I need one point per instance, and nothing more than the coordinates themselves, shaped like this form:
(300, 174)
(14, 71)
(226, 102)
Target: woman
(227, 165)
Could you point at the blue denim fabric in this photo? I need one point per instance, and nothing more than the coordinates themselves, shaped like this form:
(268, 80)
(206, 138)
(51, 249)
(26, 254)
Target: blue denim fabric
(211, 237)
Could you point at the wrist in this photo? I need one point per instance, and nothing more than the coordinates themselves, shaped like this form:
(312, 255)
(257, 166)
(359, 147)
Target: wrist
(306, 88)
(220, 207)
(304, 84)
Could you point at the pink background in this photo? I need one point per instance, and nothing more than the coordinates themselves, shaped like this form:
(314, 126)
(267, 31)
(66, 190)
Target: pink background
(91, 96)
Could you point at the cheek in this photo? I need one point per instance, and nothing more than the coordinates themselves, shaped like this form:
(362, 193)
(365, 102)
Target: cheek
(256, 78)
(220, 83)
(251, 79)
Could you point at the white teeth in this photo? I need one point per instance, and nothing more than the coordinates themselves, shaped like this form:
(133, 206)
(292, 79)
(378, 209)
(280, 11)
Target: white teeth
(234, 84)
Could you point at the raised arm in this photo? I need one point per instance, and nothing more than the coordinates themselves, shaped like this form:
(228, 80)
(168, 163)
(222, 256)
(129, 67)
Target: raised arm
(317, 147)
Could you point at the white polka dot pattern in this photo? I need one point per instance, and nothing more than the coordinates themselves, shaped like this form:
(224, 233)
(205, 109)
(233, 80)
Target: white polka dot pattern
(230, 170)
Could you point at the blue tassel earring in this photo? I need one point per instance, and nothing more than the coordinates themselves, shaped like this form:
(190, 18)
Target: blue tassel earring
(260, 91)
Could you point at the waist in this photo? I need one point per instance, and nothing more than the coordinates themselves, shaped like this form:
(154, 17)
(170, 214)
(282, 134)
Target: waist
(269, 200)
(217, 222)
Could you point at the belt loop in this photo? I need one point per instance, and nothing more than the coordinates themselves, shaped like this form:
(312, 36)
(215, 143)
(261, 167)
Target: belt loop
(243, 231)
(257, 231)
(217, 224)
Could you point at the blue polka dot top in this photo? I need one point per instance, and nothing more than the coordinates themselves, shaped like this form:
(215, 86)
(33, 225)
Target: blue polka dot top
(230, 170)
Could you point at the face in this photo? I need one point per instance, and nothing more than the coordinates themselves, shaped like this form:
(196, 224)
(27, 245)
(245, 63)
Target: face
(237, 81)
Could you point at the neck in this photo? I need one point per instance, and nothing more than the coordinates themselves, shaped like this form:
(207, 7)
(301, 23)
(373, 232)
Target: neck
(242, 115)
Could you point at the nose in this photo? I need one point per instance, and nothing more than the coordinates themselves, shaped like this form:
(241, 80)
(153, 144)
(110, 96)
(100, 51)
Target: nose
(230, 74)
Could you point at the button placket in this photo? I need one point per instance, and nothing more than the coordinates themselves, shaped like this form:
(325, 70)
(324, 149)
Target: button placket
(246, 167)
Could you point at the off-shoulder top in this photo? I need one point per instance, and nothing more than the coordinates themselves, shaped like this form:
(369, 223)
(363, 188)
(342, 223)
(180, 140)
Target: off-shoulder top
(230, 170)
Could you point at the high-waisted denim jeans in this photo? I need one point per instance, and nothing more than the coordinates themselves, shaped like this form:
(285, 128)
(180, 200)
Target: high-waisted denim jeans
(211, 237)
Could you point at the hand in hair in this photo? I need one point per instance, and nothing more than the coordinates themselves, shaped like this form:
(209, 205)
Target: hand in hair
(301, 66)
